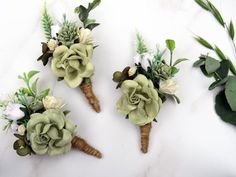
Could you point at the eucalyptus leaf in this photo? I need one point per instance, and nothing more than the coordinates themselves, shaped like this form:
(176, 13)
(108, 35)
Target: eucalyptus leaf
(170, 44)
(230, 92)
(223, 71)
(199, 62)
(218, 83)
(223, 109)
(179, 61)
(211, 65)
(203, 42)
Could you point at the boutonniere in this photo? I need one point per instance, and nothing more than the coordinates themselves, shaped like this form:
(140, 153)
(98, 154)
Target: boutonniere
(69, 48)
(146, 85)
(38, 121)
(220, 68)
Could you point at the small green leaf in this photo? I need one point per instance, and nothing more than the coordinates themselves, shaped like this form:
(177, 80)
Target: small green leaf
(83, 13)
(202, 4)
(220, 53)
(94, 4)
(230, 92)
(88, 22)
(216, 13)
(203, 42)
(170, 44)
(44, 93)
(34, 85)
(176, 98)
(199, 62)
(31, 74)
(218, 83)
(231, 30)
(179, 61)
(211, 65)
(223, 109)
(66, 112)
(19, 136)
(92, 26)
(174, 70)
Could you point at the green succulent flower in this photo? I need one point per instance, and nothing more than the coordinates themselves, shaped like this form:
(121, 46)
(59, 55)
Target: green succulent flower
(50, 133)
(140, 100)
(73, 64)
(68, 33)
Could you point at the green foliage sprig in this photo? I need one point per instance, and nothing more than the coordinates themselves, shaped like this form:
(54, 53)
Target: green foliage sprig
(47, 22)
(221, 69)
(83, 13)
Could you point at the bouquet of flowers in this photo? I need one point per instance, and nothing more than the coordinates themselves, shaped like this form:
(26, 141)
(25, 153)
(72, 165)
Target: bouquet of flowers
(39, 122)
(146, 86)
(70, 47)
(220, 67)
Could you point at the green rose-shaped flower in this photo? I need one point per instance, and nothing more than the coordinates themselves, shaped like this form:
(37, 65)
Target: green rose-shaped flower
(50, 132)
(140, 100)
(73, 64)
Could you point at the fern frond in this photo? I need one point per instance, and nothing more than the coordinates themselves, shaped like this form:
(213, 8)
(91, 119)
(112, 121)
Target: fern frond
(141, 46)
(47, 22)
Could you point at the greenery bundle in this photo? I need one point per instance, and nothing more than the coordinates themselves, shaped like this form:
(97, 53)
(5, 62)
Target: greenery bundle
(39, 122)
(146, 86)
(70, 49)
(221, 68)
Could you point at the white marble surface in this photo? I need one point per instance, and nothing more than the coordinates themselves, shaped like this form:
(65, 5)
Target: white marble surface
(189, 139)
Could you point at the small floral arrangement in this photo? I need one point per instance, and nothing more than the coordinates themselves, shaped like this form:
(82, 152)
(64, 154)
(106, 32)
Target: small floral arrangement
(70, 47)
(146, 86)
(39, 122)
(220, 67)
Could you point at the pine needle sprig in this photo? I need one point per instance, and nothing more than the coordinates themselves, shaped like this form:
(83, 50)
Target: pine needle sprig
(46, 22)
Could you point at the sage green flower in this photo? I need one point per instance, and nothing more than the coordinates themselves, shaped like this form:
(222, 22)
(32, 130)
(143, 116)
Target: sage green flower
(50, 133)
(140, 100)
(73, 64)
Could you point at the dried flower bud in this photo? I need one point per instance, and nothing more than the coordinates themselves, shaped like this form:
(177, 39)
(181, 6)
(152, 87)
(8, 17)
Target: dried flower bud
(132, 71)
(50, 102)
(21, 129)
(52, 44)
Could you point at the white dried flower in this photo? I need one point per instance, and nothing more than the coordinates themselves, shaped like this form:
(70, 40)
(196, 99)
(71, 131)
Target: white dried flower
(52, 44)
(168, 86)
(13, 111)
(21, 129)
(132, 71)
(50, 102)
(85, 36)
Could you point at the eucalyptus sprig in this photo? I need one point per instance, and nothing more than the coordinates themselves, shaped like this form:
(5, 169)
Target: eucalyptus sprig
(219, 68)
(83, 13)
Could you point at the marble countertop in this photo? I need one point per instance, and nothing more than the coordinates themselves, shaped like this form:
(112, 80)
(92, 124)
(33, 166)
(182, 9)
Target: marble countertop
(189, 139)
